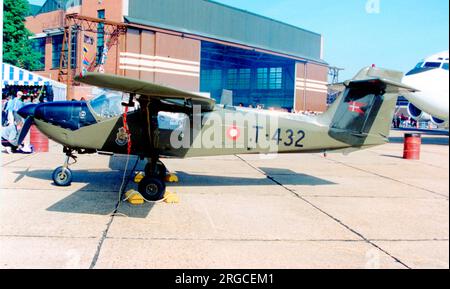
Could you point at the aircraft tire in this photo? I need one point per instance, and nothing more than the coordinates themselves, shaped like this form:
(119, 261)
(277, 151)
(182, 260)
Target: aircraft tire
(62, 177)
(152, 189)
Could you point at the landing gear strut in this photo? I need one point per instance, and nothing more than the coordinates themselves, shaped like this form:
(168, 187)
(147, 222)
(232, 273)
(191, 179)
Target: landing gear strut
(153, 186)
(62, 176)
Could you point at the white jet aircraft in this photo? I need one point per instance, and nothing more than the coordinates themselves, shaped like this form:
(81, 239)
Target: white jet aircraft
(430, 77)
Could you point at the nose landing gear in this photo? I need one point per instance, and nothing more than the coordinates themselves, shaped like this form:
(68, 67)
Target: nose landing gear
(62, 176)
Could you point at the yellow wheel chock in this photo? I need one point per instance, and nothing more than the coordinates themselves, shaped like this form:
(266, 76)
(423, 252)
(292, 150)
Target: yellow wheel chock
(138, 177)
(171, 198)
(133, 197)
(172, 178)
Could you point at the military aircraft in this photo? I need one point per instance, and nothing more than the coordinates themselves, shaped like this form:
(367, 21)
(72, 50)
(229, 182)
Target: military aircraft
(161, 122)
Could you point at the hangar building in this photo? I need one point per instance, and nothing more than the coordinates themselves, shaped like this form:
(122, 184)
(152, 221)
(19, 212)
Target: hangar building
(196, 45)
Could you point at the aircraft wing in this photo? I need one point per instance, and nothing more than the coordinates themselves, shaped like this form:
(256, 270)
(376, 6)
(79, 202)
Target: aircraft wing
(143, 89)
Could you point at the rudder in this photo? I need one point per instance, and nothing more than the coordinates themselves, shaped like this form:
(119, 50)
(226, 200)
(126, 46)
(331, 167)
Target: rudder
(362, 114)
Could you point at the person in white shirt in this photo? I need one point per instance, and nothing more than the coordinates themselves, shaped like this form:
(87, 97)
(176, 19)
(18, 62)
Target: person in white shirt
(10, 135)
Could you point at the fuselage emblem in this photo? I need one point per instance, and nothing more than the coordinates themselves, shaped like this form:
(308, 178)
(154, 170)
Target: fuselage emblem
(233, 133)
(122, 137)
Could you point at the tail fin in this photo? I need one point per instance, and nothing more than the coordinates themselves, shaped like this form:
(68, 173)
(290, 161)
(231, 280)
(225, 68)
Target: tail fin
(363, 113)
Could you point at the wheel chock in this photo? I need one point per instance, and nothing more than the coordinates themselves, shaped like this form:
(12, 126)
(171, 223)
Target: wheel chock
(172, 178)
(133, 197)
(138, 177)
(171, 198)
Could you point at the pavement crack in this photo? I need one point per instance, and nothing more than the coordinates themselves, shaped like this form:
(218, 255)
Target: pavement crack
(46, 236)
(232, 239)
(18, 160)
(368, 241)
(271, 240)
(104, 237)
(373, 197)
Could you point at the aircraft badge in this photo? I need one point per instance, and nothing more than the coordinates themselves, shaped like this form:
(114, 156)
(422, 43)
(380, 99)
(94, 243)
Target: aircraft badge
(122, 137)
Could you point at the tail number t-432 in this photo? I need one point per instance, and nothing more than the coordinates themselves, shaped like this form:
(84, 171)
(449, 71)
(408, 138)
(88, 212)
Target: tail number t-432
(292, 138)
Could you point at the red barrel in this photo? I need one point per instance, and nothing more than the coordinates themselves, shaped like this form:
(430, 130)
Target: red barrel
(38, 140)
(412, 144)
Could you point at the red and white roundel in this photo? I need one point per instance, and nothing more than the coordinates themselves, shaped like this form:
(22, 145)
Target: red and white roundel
(233, 133)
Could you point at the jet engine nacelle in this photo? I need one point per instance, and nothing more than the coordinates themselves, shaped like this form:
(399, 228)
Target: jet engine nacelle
(416, 113)
(437, 121)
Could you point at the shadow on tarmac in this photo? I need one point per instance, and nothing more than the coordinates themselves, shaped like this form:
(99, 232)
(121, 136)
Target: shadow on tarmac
(194, 180)
(100, 195)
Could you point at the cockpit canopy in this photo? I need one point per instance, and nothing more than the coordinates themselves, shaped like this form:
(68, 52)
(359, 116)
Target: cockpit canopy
(430, 65)
(108, 104)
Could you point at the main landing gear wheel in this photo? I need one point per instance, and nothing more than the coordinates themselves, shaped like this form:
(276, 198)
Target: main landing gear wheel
(152, 189)
(62, 176)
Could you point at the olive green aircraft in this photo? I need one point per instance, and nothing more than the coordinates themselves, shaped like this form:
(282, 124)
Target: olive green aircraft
(153, 122)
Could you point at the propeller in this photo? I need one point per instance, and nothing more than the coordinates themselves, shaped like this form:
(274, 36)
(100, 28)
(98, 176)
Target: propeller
(25, 129)
(27, 112)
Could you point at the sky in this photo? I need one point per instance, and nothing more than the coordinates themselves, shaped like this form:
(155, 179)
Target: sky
(394, 34)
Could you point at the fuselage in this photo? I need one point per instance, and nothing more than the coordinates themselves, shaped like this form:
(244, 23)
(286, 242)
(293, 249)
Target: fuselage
(170, 127)
(223, 131)
(431, 78)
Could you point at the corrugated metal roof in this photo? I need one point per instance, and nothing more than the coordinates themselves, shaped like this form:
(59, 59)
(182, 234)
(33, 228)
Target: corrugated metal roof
(33, 9)
(54, 5)
(218, 21)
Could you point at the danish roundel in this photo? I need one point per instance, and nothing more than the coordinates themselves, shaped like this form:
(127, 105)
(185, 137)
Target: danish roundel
(233, 133)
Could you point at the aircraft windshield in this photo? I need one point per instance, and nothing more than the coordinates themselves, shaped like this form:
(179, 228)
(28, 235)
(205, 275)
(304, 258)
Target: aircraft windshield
(107, 105)
(432, 64)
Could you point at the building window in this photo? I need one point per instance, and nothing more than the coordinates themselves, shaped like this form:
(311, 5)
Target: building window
(244, 78)
(269, 78)
(262, 78)
(212, 79)
(100, 36)
(275, 78)
(38, 45)
(239, 78)
(57, 41)
(255, 78)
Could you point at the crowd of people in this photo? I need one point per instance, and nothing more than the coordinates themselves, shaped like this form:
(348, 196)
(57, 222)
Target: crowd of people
(401, 120)
(12, 122)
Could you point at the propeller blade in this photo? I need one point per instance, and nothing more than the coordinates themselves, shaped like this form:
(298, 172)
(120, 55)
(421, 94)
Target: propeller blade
(24, 131)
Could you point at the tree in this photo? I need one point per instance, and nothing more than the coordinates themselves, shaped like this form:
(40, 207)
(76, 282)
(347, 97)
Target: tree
(17, 47)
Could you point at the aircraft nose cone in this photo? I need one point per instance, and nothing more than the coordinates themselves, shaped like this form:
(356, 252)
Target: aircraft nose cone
(27, 110)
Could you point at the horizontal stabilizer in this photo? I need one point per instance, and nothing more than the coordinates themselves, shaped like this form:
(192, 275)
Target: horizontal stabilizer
(392, 79)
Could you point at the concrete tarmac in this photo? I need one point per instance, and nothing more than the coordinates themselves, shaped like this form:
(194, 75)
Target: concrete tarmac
(370, 209)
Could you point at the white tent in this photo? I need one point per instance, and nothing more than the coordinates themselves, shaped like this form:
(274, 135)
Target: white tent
(13, 75)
